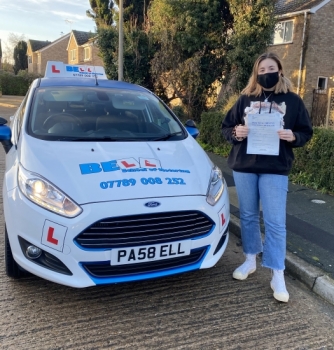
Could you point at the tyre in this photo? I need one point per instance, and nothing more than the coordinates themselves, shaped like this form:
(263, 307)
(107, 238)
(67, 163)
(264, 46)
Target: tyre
(12, 267)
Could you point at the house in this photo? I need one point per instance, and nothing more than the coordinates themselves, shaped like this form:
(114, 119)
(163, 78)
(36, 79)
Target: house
(39, 52)
(304, 39)
(76, 47)
(81, 49)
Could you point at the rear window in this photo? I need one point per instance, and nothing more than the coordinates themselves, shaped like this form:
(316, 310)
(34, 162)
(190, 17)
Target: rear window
(88, 113)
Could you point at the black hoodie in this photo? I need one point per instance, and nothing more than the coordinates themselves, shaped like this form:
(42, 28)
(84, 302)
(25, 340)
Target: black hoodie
(296, 119)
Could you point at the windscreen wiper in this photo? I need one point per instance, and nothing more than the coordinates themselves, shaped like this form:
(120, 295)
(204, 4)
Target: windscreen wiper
(167, 136)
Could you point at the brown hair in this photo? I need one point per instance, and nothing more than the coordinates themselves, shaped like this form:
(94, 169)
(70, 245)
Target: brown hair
(254, 88)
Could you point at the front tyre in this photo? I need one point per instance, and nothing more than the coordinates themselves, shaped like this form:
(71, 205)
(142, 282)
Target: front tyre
(12, 267)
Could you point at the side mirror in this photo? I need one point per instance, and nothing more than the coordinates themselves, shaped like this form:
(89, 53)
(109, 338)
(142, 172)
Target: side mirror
(192, 128)
(5, 135)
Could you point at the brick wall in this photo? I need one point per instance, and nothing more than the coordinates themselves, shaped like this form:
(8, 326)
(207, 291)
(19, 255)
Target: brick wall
(94, 59)
(290, 53)
(319, 57)
(318, 54)
(72, 46)
(54, 52)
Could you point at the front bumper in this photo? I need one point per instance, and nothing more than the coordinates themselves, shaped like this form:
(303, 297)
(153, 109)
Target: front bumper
(83, 263)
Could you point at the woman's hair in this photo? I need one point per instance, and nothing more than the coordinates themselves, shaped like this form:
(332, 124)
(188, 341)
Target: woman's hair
(254, 88)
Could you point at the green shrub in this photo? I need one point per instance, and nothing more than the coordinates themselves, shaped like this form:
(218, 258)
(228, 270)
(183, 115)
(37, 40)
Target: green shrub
(16, 84)
(314, 163)
(211, 137)
(180, 112)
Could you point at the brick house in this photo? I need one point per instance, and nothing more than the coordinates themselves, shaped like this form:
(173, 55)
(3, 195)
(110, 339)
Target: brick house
(39, 52)
(304, 39)
(76, 47)
(81, 49)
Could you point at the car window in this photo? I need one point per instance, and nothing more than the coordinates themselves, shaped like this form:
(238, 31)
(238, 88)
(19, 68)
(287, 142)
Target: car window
(93, 113)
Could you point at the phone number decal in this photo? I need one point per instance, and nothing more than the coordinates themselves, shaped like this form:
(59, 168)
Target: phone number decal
(144, 180)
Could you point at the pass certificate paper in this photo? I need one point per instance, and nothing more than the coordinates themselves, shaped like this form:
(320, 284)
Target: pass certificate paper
(263, 137)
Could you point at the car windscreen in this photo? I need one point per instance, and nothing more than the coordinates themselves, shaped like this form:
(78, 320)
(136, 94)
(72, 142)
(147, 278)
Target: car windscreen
(100, 114)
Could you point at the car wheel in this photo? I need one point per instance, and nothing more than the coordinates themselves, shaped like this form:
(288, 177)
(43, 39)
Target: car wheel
(12, 267)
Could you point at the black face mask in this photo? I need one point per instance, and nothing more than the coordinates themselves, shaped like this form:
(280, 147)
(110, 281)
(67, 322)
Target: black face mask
(268, 80)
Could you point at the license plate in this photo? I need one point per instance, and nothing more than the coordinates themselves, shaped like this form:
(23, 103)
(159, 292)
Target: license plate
(122, 256)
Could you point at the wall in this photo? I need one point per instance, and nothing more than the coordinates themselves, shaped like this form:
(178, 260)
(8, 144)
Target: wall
(319, 57)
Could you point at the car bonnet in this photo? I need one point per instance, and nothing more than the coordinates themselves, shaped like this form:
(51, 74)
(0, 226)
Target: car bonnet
(108, 171)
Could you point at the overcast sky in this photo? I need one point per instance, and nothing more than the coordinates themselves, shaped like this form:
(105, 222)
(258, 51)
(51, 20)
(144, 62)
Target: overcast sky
(43, 19)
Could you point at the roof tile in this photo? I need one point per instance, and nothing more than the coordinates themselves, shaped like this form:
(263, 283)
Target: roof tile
(287, 6)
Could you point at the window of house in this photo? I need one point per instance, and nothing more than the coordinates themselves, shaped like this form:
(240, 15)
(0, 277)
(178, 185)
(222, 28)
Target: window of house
(283, 32)
(87, 53)
(322, 83)
(29, 59)
(73, 54)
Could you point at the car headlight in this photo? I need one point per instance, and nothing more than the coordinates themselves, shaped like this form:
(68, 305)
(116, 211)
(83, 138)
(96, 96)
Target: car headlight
(43, 193)
(216, 186)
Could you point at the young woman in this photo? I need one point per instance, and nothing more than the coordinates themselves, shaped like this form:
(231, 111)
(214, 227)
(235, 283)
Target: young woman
(261, 159)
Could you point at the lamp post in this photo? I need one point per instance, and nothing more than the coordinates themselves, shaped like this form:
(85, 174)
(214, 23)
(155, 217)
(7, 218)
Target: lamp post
(120, 42)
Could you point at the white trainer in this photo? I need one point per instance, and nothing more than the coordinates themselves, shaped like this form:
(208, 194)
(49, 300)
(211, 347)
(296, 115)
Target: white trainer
(248, 267)
(277, 284)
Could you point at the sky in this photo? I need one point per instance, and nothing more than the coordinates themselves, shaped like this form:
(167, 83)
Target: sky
(43, 19)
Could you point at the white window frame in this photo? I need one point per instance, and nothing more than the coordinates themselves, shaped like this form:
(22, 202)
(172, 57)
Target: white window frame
(283, 23)
(86, 50)
(73, 54)
(326, 83)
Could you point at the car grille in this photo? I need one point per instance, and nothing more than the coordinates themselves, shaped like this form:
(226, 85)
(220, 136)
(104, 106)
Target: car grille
(105, 270)
(135, 230)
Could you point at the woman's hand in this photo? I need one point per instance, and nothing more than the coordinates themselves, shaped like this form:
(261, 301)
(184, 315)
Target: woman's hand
(241, 131)
(287, 135)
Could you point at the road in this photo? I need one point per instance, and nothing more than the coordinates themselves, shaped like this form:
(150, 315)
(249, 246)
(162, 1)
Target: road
(205, 309)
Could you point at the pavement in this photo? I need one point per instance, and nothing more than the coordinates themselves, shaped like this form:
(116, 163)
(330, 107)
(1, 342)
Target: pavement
(310, 225)
(310, 233)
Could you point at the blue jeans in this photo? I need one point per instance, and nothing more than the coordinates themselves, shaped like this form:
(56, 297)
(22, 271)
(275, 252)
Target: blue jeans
(272, 190)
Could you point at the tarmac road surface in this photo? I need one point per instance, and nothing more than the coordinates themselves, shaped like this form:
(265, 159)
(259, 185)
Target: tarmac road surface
(205, 309)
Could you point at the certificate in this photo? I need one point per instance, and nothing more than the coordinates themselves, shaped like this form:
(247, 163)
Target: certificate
(262, 136)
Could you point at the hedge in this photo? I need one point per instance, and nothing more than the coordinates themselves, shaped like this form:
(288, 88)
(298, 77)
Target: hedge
(314, 163)
(16, 85)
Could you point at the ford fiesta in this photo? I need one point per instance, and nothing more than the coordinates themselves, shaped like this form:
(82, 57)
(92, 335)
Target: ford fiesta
(103, 184)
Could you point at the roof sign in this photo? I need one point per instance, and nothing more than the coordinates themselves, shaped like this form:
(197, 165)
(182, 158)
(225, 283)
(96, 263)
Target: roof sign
(55, 69)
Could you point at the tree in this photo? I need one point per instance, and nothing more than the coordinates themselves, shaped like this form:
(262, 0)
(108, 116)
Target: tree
(193, 38)
(101, 12)
(253, 26)
(20, 57)
(137, 47)
(0, 55)
(8, 47)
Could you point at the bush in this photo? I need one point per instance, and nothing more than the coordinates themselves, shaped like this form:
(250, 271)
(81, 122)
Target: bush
(16, 84)
(180, 113)
(211, 137)
(314, 163)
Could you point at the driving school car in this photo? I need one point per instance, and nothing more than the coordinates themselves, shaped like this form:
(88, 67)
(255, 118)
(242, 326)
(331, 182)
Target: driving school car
(103, 184)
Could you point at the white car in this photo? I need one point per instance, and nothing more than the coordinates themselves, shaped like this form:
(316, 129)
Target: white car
(103, 184)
